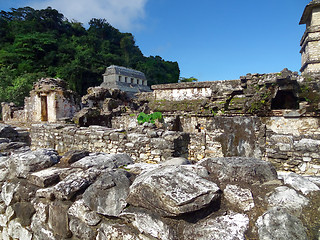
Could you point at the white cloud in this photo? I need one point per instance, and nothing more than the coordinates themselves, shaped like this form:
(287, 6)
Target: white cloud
(123, 14)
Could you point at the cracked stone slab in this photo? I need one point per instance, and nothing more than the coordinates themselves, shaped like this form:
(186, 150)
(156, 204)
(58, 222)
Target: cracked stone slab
(46, 177)
(172, 191)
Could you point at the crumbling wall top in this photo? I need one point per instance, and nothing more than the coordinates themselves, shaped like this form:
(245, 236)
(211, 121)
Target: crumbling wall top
(184, 85)
(49, 84)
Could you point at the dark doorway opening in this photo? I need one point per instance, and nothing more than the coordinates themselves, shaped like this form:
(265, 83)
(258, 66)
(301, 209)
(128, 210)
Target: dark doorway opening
(284, 100)
(44, 109)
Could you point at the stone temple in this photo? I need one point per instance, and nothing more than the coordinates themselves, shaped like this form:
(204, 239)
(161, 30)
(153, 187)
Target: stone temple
(125, 79)
(310, 42)
(233, 159)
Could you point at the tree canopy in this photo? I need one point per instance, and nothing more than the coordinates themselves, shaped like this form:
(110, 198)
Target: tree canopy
(43, 43)
(190, 79)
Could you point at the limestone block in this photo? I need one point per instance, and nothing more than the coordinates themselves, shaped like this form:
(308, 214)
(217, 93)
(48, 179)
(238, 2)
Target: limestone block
(108, 194)
(73, 156)
(115, 232)
(139, 168)
(148, 223)
(6, 131)
(300, 183)
(277, 223)
(81, 230)
(250, 170)
(27, 162)
(46, 177)
(103, 161)
(308, 145)
(23, 212)
(79, 210)
(16, 231)
(228, 227)
(287, 198)
(6, 217)
(240, 197)
(8, 191)
(42, 212)
(58, 219)
(176, 161)
(75, 182)
(4, 170)
(172, 191)
(199, 170)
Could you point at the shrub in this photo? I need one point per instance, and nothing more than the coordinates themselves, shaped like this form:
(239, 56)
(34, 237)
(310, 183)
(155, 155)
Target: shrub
(150, 118)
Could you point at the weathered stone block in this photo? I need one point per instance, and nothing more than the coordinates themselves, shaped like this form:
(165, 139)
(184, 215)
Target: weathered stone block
(108, 194)
(58, 218)
(236, 169)
(229, 227)
(172, 191)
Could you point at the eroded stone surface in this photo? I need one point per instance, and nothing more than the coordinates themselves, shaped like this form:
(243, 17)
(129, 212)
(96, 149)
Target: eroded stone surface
(108, 194)
(229, 227)
(278, 224)
(81, 230)
(287, 198)
(103, 161)
(242, 198)
(8, 190)
(300, 183)
(22, 164)
(79, 210)
(148, 223)
(73, 156)
(69, 186)
(46, 177)
(237, 169)
(58, 219)
(172, 191)
(115, 232)
(16, 231)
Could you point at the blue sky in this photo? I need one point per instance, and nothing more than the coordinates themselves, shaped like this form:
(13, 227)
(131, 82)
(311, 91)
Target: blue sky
(210, 39)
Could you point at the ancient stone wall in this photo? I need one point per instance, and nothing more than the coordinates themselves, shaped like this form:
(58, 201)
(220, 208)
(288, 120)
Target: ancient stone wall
(143, 144)
(290, 143)
(293, 144)
(184, 91)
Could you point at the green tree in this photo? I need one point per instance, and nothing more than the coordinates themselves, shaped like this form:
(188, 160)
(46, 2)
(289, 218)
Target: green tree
(190, 79)
(43, 43)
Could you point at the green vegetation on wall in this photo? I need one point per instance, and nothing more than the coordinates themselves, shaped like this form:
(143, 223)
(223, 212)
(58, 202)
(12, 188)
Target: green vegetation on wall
(42, 43)
(149, 118)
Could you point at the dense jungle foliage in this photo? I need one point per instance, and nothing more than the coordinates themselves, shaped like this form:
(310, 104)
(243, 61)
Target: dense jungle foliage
(43, 43)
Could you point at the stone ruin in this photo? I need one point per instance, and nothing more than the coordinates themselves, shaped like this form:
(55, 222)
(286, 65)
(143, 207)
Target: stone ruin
(87, 196)
(49, 101)
(223, 163)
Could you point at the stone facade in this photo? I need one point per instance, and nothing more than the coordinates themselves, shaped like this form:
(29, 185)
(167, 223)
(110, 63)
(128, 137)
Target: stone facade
(49, 101)
(310, 42)
(143, 144)
(183, 91)
(284, 93)
(125, 79)
(290, 143)
(122, 74)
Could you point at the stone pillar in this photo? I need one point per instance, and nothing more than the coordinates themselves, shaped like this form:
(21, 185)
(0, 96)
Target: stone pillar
(310, 42)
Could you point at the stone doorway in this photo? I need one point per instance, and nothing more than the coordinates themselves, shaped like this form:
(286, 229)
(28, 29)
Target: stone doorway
(284, 100)
(44, 108)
